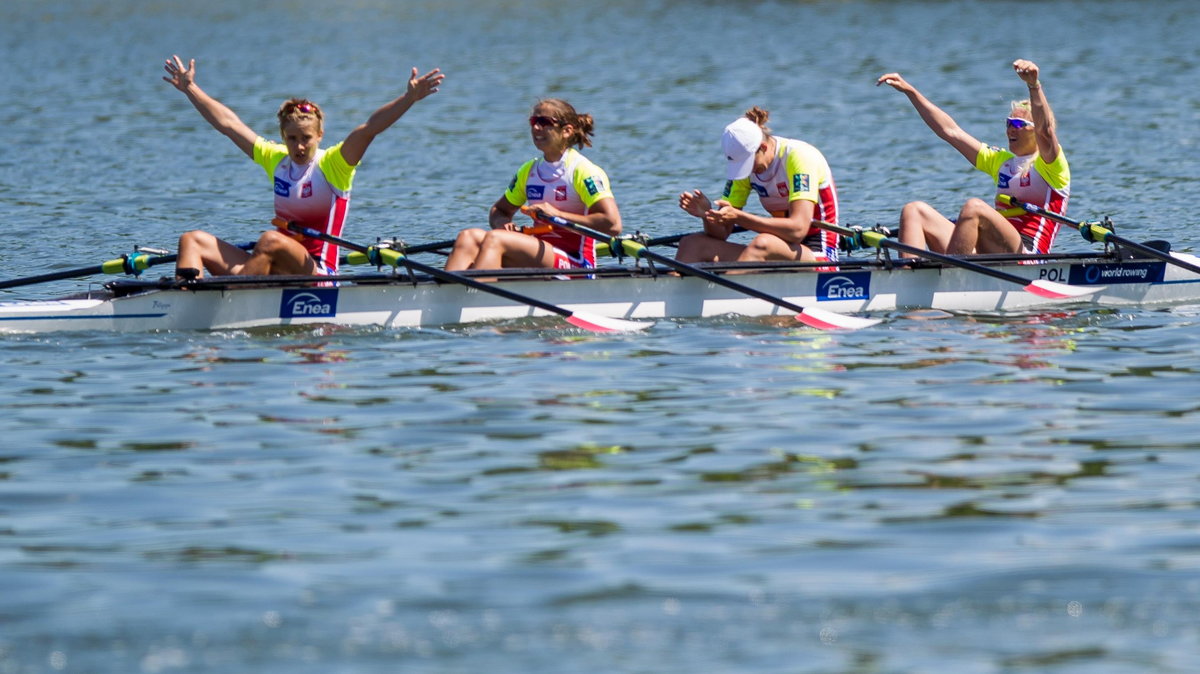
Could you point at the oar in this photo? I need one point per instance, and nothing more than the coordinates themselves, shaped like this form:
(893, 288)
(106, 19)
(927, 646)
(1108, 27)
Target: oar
(1039, 287)
(388, 256)
(1094, 232)
(603, 249)
(812, 317)
(130, 263)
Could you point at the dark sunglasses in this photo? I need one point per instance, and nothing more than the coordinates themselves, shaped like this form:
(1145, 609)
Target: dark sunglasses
(1018, 123)
(543, 121)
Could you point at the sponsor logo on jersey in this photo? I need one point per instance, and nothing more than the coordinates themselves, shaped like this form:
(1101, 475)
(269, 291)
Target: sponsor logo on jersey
(308, 303)
(1002, 180)
(781, 187)
(800, 182)
(560, 192)
(760, 190)
(282, 187)
(306, 190)
(534, 192)
(594, 185)
(844, 286)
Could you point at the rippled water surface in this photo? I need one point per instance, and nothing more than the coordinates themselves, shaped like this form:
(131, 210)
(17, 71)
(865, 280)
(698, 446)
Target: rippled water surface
(942, 493)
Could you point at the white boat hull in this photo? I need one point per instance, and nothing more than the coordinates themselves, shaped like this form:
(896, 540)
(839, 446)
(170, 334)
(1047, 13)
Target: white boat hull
(403, 303)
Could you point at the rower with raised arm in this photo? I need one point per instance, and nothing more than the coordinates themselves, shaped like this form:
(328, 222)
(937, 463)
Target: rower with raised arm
(794, 184)
(559, 183)
(1033, 169)
(312, 185)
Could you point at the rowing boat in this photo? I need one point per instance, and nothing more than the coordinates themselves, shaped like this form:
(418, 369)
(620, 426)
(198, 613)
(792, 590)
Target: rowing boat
(401, 299)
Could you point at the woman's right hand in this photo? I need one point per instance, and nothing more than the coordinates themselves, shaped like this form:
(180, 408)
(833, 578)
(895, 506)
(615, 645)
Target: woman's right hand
(179, 77)
(895, 81)
(695, 203)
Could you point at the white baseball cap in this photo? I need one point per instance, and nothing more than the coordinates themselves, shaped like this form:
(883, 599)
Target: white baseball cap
(740, 142)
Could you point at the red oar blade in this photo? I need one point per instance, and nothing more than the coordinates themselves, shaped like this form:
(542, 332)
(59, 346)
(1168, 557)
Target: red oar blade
(1060, 291)
(831, 320)
(605, 324)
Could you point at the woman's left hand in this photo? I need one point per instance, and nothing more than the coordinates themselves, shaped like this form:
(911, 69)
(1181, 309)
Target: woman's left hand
(421, 86)
(1027, 71)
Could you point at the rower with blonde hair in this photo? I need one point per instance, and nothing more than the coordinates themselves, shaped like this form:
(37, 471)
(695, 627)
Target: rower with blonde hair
(1033, 169)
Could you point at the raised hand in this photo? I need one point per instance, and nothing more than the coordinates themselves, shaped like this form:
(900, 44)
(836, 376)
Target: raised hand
(895, 81)
(420, 87)
(178, 76)
(1027, 71)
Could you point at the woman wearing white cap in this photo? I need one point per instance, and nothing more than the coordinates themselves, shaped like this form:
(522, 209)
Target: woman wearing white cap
(1033, 169)
(793, 183)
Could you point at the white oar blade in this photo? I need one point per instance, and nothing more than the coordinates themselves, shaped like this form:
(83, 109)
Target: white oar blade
(605, 324)
(831, 320)
(1059, 291)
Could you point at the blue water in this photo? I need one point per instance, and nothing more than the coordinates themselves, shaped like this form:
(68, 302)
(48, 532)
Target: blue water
(942, 493)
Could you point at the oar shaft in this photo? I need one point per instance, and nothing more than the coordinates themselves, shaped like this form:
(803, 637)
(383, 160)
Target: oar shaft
(877, 240)
(121, 265)
(639, 250)
(395, 258)
(1095, 232)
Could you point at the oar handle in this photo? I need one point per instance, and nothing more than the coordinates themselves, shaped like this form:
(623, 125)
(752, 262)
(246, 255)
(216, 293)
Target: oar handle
(395, 258)
(1090, 231)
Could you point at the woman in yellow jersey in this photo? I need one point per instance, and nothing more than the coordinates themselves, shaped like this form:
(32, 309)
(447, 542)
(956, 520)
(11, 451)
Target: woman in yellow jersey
(1033, 169)
(561, 182)
(794, 184)
(312, 186)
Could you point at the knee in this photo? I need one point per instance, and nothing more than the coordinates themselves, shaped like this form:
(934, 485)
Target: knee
(272, 241)
(194, 238)
(974, 208)
(469, 237)
(914, 211)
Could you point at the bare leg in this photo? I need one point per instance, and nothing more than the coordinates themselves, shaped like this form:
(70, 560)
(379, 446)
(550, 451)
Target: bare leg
(203, 251)
(466, 249)
(277, 253)
(921, 226)
(704, 248)
(771, 247)
(502, 248)
(981, 229)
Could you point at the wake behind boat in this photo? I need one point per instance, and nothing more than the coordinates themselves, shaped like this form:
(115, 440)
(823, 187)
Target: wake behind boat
(645, 291)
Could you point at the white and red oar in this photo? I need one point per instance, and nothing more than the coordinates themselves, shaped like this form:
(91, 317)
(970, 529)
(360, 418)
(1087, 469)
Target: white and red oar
(395, 258)
(1039, 287)
(817, 318)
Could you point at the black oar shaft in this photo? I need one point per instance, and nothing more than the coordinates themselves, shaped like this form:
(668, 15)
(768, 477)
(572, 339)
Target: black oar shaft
(638, 249)
(121, 265)
(1095, 232)
(877, 240)
(393, 257)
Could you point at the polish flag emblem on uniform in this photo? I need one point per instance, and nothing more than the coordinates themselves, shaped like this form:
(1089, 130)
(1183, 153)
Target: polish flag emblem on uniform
(560, 193)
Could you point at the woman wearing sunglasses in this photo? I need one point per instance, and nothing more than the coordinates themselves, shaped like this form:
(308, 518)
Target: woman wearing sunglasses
(312, 185)
(561, 182)
(1033, 169)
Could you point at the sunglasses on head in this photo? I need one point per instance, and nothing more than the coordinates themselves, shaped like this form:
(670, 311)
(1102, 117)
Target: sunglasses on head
(1018, 123)
(543, 121)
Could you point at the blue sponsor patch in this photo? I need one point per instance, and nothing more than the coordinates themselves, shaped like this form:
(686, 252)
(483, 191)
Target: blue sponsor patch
(534, 192)
(1002, 180)
(1109, 274)
(308, 303)
(761, 190)
(800, 182)
(854, 285)
(282, 187)
(594, 185)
